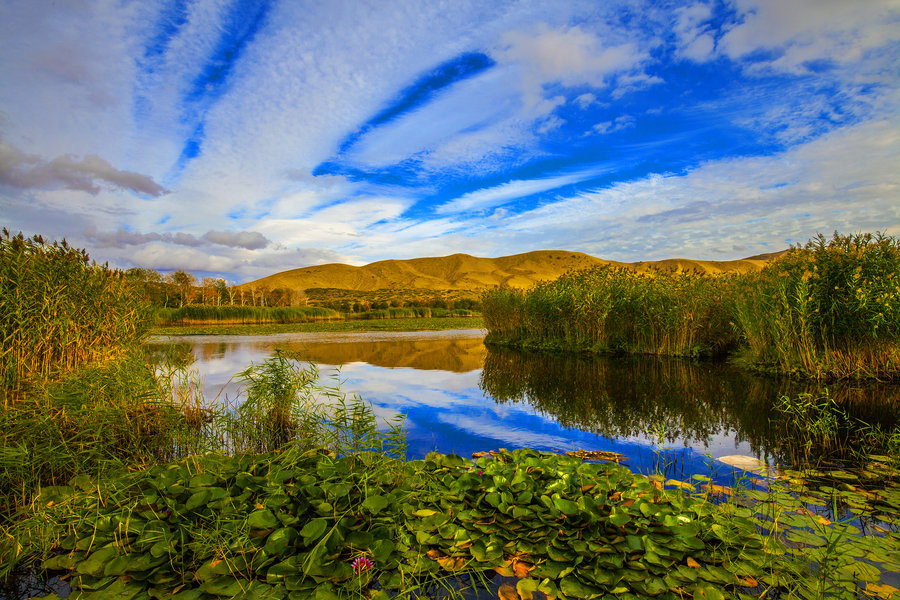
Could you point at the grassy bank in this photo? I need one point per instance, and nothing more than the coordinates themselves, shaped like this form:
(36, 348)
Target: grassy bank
(830, 309)
(242, 315)
(397, 324)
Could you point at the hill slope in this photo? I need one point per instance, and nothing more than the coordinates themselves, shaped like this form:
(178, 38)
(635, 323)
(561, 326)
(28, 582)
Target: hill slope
(465, 272)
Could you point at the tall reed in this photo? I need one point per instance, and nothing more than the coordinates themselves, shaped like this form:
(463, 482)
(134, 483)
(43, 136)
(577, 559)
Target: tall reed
(828, 309)
(58, 312)
(610, 309)
(100, 418)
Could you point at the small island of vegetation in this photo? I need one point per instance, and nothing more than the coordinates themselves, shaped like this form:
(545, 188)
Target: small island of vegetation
(829, 309)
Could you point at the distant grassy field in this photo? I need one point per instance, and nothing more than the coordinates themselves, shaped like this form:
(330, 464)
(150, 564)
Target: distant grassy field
(411, 324)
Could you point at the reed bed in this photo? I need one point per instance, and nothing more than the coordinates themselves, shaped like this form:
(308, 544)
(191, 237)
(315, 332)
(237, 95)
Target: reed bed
(411, 312)
(59, 312)
(243, 315)
(610, 309)
(829, 309)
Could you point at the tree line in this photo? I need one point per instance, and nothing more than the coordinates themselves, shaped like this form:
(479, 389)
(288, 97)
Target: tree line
(182, 288)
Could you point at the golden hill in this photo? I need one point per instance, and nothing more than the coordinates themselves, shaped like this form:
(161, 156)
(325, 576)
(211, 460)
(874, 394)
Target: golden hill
(465, 272)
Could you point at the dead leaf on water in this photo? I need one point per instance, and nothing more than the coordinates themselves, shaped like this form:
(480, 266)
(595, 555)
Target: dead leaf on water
(881, 590)
(597, 455)
(508, 591)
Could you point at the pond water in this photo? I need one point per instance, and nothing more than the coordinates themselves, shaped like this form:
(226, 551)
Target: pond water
(461, 397)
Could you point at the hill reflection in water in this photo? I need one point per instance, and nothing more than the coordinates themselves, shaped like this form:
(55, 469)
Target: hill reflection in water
(459, 397)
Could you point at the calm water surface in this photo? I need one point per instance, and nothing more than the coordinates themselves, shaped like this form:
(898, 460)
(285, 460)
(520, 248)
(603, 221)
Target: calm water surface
(458, 396)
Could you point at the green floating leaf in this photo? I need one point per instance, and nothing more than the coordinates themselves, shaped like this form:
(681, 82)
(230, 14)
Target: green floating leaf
(382, 550)
(313, 530)
(704, 591)
(197, 499)
(279, 540)
(860, 571)
(801, 536)
(526, 587)
(571, 586)
(262, 519)
(224, 585)
(375, 503)
(63, 561)
(96, 562)
(567, 507)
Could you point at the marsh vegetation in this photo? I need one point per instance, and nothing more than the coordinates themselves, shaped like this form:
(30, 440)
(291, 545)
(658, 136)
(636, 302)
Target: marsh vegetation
(116, 470)
(829, 309)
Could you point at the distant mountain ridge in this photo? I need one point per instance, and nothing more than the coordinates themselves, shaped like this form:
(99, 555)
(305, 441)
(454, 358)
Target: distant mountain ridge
(465, 272)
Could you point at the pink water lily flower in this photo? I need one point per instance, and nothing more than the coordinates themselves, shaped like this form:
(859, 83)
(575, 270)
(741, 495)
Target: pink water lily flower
(362, 564)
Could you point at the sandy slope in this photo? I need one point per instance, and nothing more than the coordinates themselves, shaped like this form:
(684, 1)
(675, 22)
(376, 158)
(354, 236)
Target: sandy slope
(464, 272)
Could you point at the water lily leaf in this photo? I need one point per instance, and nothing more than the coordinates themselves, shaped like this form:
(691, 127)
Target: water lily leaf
(860, 571)
(375, 503)
(801, 536)
(550, 569)
(279, 540)
(704, 591)
(382, 549)
(313, 530)
(881, 590)
(526, 587)
(117, 566)
(284, 568)
(571, 586)
(203, 480)
(198, 499)
(96, 562)
(262, 519)
(224, 585)
(63, 561)
(619, 518)
(567, 507)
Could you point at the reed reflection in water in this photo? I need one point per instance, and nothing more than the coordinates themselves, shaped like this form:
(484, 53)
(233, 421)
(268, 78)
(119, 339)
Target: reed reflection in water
(709, 407)
(459, 397)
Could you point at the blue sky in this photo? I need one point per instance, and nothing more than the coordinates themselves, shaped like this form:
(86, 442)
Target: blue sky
(239, 138)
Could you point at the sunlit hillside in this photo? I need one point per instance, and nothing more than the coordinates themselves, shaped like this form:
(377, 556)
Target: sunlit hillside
(465, 272)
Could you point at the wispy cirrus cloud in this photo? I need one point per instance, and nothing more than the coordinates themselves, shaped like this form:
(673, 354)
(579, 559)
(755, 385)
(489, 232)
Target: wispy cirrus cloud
(232, 134)
(492, 197)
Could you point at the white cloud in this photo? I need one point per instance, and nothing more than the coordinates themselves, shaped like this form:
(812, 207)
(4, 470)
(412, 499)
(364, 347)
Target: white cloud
(695, 40)
(21, 170)
(568, 56)
(756, 203)
(617, 124)
(585, 100)
(807, 30)
(498, 195)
